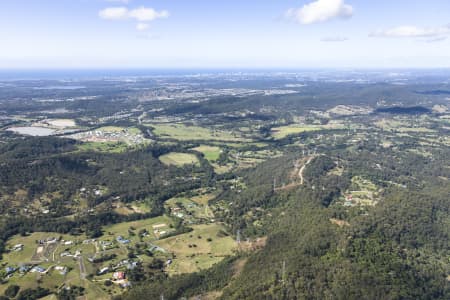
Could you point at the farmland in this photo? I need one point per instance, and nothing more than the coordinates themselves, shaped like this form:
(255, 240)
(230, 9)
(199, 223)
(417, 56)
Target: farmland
(182, 132)
(199, 249)
(211, 153)
(178, 159)
(284, 131)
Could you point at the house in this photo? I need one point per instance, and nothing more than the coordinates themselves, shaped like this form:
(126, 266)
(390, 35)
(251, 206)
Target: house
(18, 247)
(154, 248)
(103, 271)
(62, 270)
(121, 240)
(67, 243)
(38, 269)
(119, 275)
(51, 240)
(132, 265)
(24, 269)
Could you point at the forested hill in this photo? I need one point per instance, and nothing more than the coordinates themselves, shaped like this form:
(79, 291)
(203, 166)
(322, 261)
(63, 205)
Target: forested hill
(317, 249)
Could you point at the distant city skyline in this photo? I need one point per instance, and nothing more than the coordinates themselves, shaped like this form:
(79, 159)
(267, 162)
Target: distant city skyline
(251, 34)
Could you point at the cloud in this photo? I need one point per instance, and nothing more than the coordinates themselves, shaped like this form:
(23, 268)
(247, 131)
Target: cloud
(141, 14)
(334, 39)
(114, 13)
(413, 32)
(148, 14)
(320, 11)
(142, 26)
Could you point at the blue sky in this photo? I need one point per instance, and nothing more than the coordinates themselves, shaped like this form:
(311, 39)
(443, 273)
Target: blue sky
(224, 33)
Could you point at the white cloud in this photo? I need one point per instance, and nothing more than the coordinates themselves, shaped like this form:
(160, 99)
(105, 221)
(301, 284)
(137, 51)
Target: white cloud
(413, 32)
(320, 11)
(141, 14)
(147, 14)
(114, 13)
(334, 39)
(142, 26)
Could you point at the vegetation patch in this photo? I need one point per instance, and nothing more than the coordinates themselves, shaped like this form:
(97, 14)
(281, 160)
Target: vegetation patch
(185, 133)
(179, 159)
(211, 153)
(284, 131)
(198, 249)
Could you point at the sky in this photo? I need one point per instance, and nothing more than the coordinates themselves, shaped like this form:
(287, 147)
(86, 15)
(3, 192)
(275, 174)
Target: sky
(250, 34)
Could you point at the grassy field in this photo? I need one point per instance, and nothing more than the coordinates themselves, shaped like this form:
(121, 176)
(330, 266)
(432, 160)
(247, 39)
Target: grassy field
(222, 169)
(194, 250)
(190, 133)
(284, 131)
(106, 147)
(178, 159)
(122, 228)
(402, 126)
(63, 123)
(211, 153)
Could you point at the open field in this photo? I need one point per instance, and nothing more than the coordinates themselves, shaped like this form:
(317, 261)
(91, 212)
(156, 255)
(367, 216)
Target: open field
(185, 133)
(211, 153)
(161, 223)
(284, 131)
(178, 159)
(63, 123)
(194, 250)
(106, 147)
(402, 126)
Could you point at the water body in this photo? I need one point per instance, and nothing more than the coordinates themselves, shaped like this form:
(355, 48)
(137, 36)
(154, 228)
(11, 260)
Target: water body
(33, 131)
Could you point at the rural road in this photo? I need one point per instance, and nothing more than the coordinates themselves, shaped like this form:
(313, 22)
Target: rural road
(300, 173)
(82, 268)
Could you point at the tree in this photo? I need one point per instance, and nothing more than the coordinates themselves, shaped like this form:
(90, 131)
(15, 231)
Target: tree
(12, 290)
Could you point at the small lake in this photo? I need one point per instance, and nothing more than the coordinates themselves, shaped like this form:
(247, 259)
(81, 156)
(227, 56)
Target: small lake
(34, 131)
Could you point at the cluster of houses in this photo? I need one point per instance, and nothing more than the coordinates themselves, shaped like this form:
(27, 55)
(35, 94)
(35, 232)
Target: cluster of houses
(114, 136)
(23, 269)
(50, 240)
